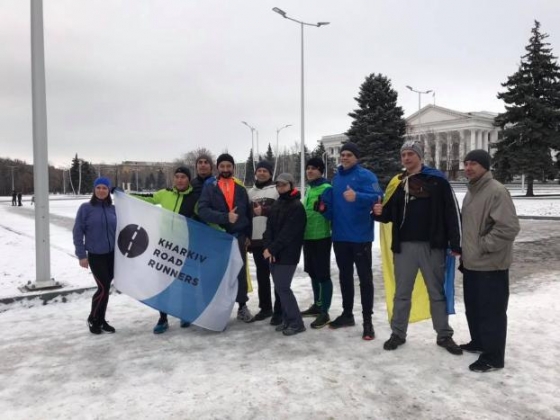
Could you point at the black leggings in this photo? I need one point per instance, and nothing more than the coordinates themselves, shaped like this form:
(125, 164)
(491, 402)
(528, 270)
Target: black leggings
(102, 268)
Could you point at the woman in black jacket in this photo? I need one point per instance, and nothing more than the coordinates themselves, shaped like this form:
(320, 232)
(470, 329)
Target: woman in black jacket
(282, 242)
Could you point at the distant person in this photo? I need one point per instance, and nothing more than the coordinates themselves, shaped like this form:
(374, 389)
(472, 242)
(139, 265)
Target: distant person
(282, 242)
(32, 199)
(425, 223)
(14, 198)
(262, 196)
(224, 202)
(94, 242)
(19, 197)
(317, 245)
(348, 205)
(180, 199)
(490, 225)
(203, 172)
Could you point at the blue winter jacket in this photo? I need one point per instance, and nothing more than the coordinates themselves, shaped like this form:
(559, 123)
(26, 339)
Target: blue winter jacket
(94, 229)
(351, 221)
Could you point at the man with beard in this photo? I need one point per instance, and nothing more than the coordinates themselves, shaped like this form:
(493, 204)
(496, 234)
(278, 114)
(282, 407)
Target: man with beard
(224, 202)
(262, 196)
(203, 172)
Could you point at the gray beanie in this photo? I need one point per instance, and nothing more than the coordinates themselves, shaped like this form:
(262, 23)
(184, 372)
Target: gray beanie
(414, 146)
(286, 178)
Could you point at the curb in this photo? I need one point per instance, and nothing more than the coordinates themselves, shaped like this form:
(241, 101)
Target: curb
(539, 217)
(45, 296)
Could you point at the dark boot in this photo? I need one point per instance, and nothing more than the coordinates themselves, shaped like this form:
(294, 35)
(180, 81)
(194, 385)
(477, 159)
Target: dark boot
(94, 326)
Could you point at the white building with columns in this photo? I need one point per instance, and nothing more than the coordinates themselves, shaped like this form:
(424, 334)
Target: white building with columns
(445, 134)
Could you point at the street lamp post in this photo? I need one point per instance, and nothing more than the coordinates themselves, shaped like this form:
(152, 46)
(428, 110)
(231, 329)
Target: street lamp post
(302, 151)
(420, 93)
(252, 141)
(277, 149)
(13, 183)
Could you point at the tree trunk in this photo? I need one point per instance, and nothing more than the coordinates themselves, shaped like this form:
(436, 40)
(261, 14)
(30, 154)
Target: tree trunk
(530, 192)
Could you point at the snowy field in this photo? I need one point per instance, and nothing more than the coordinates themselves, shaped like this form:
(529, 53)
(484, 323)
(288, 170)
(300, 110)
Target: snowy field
(53, 368)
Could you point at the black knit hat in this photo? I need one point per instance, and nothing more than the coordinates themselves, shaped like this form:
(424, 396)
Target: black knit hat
(350, 147)
(225, 157)
(183, 170)
(480, 156)
(266, 165)
(316, 163)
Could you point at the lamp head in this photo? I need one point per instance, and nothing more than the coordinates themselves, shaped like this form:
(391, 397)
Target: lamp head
(429, 91)
(279, 11)
(409, 87)
(319, 24)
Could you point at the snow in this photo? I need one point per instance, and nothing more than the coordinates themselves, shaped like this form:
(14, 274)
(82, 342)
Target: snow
(52, 367)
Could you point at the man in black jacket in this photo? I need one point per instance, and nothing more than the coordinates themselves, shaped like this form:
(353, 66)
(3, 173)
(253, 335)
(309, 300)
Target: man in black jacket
(224, 202)
(203, 172)
(426, 221)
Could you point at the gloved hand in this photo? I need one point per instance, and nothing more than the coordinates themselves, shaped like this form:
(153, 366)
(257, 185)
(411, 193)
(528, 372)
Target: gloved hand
(319, 206)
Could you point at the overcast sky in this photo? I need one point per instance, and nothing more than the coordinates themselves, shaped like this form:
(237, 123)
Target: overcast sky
(151, 80)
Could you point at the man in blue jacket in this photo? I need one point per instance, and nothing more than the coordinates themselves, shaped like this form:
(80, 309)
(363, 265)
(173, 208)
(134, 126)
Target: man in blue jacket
(347, 205)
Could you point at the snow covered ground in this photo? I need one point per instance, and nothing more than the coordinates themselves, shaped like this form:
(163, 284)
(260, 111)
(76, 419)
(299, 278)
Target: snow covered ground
(53, 368)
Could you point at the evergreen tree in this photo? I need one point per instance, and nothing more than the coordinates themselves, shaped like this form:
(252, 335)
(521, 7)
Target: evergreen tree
(150, 181)
(160, 182)
(269, 156)
(250, 170)
(531, 121)
(378, 128)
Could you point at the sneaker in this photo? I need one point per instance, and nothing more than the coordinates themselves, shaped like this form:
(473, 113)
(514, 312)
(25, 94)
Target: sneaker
(321, 321)
(262, 315)
(342, 321)
(393, 342)
(313, 310)
(451, 346)
(94, 326)
(280, 327)
(185, 324)
(276, 319)
(161, 326)
(244, 314)
(293, 331)
(470, 347)
(107, 328)
(369, 333)
(482, 367)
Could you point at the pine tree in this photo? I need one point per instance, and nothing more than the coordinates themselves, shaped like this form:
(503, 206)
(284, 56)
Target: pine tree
(250, 170)
(531, 121)
(269, 156)
(378, 128)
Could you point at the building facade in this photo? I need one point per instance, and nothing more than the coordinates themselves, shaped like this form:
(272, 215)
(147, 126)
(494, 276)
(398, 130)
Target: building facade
(445, 134)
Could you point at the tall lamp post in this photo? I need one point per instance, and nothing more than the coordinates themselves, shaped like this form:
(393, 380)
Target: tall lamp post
(252, 141)
(420, 93)
(302, 151)
(277, 149)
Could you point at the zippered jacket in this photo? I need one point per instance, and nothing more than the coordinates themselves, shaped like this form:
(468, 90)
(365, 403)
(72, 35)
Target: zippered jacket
(351, 221)
(317, 226)
(94, 229)
(490, 225)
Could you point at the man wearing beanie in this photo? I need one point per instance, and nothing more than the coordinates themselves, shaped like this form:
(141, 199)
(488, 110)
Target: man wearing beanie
(224, 202)
(421, 206)
(182, 199)
(203, 168)
(347, 205)
(262, 196)
(490, 225)
(317, 245)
